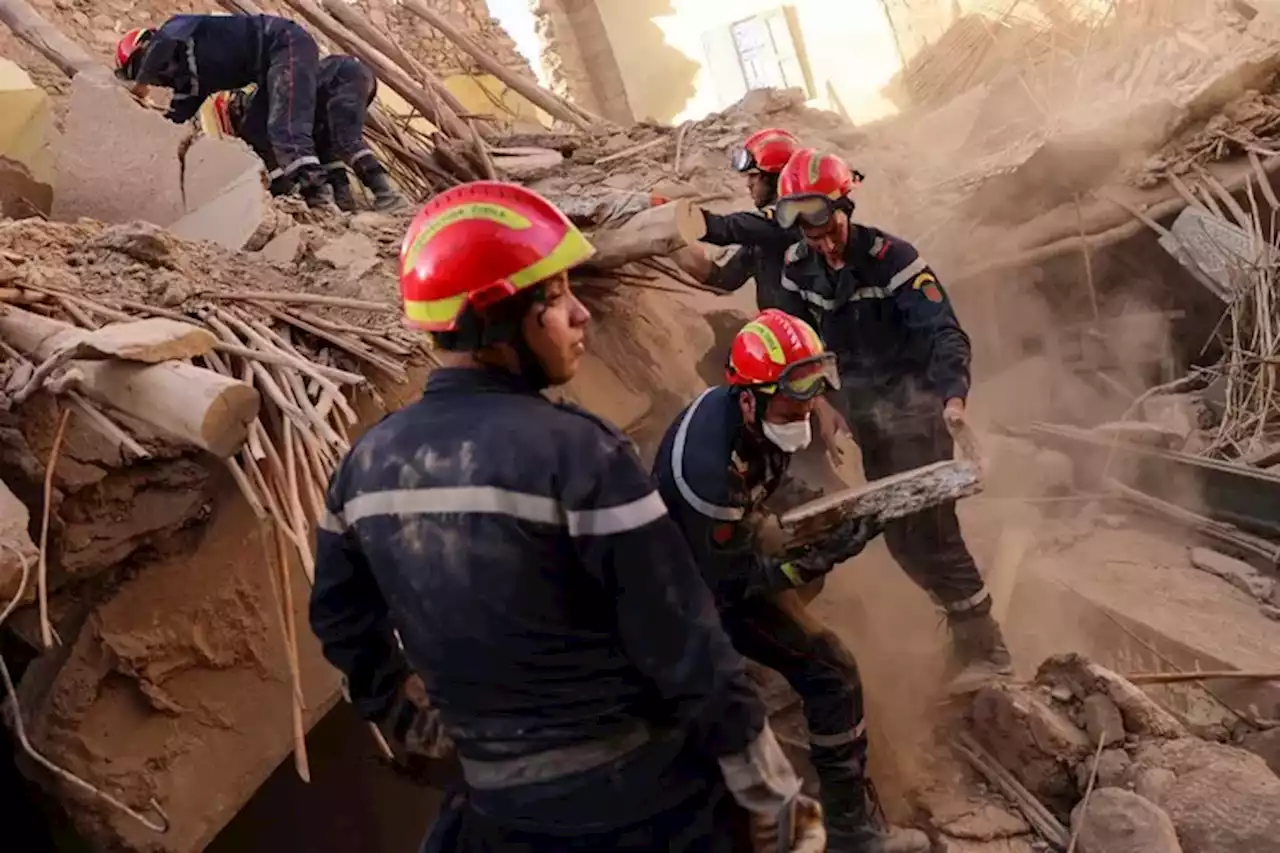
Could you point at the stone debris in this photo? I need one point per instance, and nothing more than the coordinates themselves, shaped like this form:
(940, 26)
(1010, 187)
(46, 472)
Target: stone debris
(1119, 821)
(1238, 573)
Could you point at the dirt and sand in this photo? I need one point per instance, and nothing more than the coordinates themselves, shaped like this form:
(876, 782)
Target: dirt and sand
(173, 681)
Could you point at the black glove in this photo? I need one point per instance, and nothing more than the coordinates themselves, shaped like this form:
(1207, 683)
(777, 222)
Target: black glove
(849, 539)
(843, 543)
(412, 728)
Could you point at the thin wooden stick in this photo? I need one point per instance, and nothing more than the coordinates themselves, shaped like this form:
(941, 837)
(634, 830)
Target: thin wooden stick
(391, 369)
(306, 299)
(1208, 675)
(109, 428)
(42, 572)
(300, 759)
(281, 359)
(1088, 794)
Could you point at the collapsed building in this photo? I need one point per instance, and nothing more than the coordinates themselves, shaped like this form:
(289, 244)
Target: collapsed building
(183, 367)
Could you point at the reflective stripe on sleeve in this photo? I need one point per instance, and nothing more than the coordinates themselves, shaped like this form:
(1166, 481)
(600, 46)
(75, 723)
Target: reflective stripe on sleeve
(964, 605)
(723, 513)
(907, 273)
(472, 500)
(840, 738)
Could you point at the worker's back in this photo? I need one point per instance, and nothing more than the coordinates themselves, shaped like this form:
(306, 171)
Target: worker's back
(475, 510)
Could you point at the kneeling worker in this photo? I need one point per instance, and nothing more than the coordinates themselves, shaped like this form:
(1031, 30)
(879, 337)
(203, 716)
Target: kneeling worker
(718, 463)
(541, 591)
(345, 88)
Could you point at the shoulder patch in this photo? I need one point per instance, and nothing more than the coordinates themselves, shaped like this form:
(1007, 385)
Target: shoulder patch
(794, 253)
(880, 247)
(928, 286)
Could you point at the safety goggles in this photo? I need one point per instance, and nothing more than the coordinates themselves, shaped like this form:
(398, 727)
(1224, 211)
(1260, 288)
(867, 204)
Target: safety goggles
(809, 378)
(812, 210)
(742, 161)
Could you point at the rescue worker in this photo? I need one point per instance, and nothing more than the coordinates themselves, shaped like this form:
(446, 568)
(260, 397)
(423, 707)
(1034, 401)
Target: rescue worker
(724, 455)
(760, 253)
(760, 243)
(345, 88)
(536, 583)
(198, 55)
(904, 371)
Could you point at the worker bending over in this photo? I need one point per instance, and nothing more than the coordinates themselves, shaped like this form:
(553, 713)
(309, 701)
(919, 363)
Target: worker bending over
(538, 586)
(904, 372)
(344, 89)
(199, 55)
(719, 461)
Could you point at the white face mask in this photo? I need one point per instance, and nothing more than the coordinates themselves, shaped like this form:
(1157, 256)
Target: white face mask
(789, 437)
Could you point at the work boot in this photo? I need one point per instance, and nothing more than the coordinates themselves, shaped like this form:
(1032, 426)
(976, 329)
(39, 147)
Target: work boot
(979, 655)
(341, 186)
(314, 188)
(283, 184)
(854, 826)
(372, 174)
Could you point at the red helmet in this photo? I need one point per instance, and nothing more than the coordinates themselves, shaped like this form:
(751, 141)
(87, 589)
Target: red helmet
(478, 243)
(810, 172)
(132, 41)
(782, 353)
(767, 150)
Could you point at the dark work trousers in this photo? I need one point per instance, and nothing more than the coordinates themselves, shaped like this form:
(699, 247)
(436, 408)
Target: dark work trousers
(928, 545)
(344, 88)
(777, 632)
(292, 62)
(710, 823)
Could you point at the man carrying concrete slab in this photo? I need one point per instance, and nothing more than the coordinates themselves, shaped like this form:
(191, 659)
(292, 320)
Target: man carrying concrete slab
(721, 459)
(198, 55)
(344, 89)
(904, 372)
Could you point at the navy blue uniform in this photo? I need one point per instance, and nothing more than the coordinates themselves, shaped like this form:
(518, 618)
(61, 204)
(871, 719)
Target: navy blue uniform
(551, 608)
(714, 476)
(760, 254)
(344, 89)
(199, 55)
(902, 355)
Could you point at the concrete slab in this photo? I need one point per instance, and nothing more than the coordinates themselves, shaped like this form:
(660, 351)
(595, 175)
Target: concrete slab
(231, 218)
(26, 123)
(212, 165)
(117, 161)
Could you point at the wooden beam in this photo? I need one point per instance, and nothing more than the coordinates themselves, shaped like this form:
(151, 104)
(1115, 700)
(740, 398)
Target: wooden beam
(657, 231)
(534, 93)
(48, 40)
(192, 404)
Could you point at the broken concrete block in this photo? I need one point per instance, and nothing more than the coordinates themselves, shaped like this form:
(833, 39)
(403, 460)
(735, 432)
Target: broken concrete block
(371, 222)
(1102, 720)
(212, 165)
(1119, 821)
(1142, 716)
(986, 823)
(1028, 737)
(1239, 574)
(1265, 745)
(27, 137)
(231, 219)
(141, 241)
(1114, 766)
(117, 161)
(1224, 799)
(285, 247)
(354, 253)
(1154, 783)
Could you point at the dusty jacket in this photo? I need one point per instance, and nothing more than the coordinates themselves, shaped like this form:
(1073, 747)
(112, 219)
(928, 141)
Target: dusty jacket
(760, 254)
(713, 476)
(887, 318)
(544, 595)
(198, 55)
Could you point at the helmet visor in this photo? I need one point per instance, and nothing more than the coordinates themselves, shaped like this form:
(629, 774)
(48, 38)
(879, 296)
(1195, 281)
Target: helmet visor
(742, 161)
(810, 377)
(811, 209)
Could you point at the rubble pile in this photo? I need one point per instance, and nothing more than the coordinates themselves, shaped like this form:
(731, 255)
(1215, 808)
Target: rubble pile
(1115, 768)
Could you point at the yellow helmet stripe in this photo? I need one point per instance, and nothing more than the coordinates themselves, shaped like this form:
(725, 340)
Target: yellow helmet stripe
(771, 343)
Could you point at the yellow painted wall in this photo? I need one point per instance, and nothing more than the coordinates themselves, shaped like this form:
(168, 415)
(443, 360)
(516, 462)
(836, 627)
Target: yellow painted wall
(658, 44)
(25, 122)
